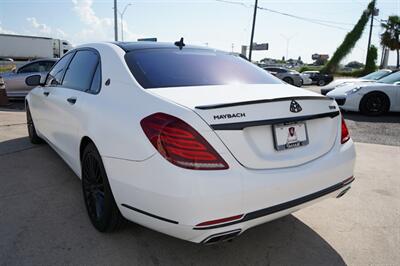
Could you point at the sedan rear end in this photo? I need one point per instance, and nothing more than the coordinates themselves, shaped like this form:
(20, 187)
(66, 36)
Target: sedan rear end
(195, 143)
(254, 149)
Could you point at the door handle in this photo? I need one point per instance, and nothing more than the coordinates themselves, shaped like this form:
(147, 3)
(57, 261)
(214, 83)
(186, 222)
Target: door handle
(46, 93)
(71, 100)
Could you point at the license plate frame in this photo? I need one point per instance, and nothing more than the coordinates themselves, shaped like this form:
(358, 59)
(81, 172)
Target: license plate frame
(297, 137)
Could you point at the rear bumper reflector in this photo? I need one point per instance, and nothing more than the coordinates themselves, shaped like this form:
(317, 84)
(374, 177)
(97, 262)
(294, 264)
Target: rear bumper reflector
(283, 206)
(149, 214)
(242, 125)
(221, 221)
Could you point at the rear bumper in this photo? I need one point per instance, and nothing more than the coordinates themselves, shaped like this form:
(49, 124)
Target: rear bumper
(175, 201)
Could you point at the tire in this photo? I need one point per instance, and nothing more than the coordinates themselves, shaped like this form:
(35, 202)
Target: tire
(288, 80)
(374, 103)
(321, 82)
(99, 200)
(33, 136)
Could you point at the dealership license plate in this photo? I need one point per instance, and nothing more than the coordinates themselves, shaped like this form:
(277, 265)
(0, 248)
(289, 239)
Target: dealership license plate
(288, 136)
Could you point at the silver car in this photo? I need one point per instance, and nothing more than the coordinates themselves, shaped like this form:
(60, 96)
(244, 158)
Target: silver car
(14, 81)
(289, 76)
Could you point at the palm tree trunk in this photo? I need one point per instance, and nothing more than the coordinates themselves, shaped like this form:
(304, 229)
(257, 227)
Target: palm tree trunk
(398, 58)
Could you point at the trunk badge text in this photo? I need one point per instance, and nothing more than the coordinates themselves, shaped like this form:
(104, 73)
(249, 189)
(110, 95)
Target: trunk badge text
(228, 116)
(295, 107)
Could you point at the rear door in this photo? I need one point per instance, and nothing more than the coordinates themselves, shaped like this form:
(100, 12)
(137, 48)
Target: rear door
(68, 102)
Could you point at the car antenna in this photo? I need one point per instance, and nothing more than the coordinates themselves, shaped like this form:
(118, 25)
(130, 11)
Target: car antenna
(180, 43)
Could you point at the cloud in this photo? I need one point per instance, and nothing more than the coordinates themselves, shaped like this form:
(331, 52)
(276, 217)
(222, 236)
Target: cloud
(95, 28)
(5, 31)
(40, 28)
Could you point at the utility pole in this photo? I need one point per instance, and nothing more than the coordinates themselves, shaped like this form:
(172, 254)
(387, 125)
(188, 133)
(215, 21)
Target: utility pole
(374, 13)
(252, 30)
(115, 21)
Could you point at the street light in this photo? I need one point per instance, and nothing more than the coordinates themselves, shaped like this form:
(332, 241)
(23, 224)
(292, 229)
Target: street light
(121, 14)
(287, 44)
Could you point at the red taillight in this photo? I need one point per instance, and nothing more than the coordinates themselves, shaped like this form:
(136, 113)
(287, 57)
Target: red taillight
(345, 132)
(181, 144)
(222, 220)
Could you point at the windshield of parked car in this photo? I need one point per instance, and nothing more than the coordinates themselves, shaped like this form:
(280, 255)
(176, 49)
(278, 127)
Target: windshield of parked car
(376, 75)
(158, 68)
(390, 79)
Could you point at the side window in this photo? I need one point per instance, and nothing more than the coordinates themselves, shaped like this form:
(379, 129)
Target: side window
(96, 82)
(54, 78)
(45, 66)
(80, 71)
(34, 67)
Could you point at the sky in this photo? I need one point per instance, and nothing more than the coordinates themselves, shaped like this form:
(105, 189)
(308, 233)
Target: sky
(215, 23)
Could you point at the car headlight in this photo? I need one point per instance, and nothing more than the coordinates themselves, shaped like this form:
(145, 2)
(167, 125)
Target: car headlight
(352, 91)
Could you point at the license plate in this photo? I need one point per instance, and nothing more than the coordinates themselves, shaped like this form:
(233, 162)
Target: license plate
(288, 136)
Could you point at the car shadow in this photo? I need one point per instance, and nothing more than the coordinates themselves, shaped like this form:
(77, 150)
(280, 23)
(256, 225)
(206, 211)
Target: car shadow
(14, 106)
(286, 241)
(44, 221)
(392, 117)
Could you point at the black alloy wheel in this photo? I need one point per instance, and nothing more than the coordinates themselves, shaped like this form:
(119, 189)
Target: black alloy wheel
(99, 200)
(33, 137)
(374, 103)
(288, 80)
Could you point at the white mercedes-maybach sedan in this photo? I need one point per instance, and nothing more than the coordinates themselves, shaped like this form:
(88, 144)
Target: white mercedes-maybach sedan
(370, 98)
(192, 142)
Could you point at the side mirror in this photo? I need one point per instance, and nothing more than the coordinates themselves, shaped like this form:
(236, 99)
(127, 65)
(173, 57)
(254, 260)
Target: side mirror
(397, 83)
(33, 80)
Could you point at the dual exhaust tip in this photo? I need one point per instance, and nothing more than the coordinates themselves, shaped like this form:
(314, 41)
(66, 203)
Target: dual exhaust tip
(221, 237)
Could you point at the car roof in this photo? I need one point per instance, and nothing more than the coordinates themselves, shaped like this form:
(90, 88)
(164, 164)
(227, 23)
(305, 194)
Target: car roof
(131, 46)
(42, 59)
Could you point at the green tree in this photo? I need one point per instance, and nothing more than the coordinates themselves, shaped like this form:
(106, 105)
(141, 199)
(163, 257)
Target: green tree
(390, 37)
(372, 56)
(350, 40)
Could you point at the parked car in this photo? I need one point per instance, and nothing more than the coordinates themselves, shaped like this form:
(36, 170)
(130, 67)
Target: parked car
(306, 79)
(15, 81)
(372, 77)
(289, 76)
(189, 141)
(370, 98)
(319, 78)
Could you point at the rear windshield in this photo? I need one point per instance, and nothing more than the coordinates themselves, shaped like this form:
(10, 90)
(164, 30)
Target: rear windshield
(158, 68)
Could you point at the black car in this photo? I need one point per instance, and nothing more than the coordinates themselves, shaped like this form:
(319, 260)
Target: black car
(319, 78)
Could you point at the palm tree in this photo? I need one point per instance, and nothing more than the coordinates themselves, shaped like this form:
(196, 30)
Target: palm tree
(390, 37)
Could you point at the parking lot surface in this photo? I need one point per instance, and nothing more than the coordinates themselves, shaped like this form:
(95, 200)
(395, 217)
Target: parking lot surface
(43, 218)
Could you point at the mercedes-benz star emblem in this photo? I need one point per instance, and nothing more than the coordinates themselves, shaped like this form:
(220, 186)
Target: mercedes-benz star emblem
(295, 107)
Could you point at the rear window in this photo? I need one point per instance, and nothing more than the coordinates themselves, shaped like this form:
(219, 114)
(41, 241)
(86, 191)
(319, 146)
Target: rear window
(158, 68)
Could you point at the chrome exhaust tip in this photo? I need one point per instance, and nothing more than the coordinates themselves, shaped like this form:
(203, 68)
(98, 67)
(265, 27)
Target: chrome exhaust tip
(221, 237)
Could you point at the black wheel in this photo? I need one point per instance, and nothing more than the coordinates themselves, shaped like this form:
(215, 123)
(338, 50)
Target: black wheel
(288, 80)
(99, 200)
(374, 103)
(321, 82)
(33, 137)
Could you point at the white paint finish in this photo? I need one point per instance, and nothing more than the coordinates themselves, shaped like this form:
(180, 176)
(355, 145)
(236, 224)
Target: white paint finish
(353, 99)
(141, 177)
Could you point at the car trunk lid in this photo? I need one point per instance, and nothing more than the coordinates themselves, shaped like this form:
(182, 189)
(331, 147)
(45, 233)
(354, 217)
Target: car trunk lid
(264, 126)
